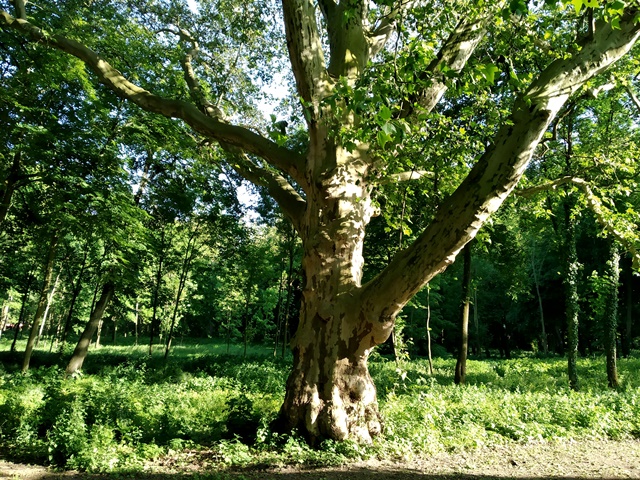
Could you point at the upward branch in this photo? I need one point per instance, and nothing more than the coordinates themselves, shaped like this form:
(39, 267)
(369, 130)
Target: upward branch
(497, 172)
(454, 54)
(240, 137)
(305, 51)
(291, 203)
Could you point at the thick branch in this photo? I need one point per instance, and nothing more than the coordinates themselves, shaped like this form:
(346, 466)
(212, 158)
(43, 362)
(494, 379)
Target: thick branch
(290, 201)
(497, 172)
(279, 157)
(305, 50)
(634, 97)
(595, 204)
(386, 26)
(453, 54)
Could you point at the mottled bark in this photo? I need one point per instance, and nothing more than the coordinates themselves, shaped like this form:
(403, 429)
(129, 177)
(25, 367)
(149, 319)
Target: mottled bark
(42, 303)
(463, 346)
(82, 348)
(612, 277)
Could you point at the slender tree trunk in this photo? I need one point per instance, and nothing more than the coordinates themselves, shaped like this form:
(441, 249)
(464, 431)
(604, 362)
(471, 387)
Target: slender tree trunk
(55, 340)
(156, 293)
(228, 332)
(571, 295)
(184, 273)
(287, 305)
(75, 293)
(461, 364)
(278, 313)
(543, 331)
(80, 352)
(5, 315)
(137, 321)
(429, 329)
(23, 309)
(42, 303)
(611, 313)
(99, 333)
(10, 186)
(628, 327)
(48, 307)
(394, 331)
(476, 323)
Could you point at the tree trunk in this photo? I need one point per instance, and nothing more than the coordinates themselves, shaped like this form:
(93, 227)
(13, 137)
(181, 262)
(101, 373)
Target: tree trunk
(329, 392)
(23, 309)
(627, 338)
(612, 276)
(137, 319)
(99, 332)
(80, 352)
(10, 186)
(184, 273)
(571, 295)
(156, 293)
(429, 329)
(287, 304)
(461, 364)
(543, 332)
(42, 303)
(278, 313)
(476, 323)
(5, 315)
(47, 308)
(75, 293)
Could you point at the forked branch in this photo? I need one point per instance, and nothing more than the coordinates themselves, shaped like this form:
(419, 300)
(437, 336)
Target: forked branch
(282, 158)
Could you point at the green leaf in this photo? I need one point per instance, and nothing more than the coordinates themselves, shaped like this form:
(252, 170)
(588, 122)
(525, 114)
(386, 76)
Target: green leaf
(383, 138)
(577, 4)
(385, 114)
(489, 72)
(389, 129)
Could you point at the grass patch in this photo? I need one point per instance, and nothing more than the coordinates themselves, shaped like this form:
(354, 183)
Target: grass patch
(128, 408)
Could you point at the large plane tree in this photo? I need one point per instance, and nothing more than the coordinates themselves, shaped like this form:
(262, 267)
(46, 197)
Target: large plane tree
(370, 76)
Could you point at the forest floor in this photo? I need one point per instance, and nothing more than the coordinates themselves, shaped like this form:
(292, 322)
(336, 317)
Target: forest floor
(564, 459)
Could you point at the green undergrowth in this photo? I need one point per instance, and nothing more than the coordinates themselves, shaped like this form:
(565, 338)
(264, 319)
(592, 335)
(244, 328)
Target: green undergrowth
(128, 409)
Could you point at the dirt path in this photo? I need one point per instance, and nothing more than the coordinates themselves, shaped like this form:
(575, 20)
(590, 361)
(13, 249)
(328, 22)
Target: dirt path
(569, 460)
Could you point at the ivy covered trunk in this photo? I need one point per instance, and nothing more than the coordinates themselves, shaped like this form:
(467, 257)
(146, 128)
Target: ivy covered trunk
(612, 276)
(571, 296)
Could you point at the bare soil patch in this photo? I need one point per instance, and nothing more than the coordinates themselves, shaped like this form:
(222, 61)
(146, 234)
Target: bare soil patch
(566, 459)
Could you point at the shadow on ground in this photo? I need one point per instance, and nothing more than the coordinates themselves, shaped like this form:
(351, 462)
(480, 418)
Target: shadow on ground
(23, 472)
